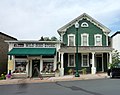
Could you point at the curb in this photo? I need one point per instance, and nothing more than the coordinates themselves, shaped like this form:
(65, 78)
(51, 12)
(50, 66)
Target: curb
(53, 79)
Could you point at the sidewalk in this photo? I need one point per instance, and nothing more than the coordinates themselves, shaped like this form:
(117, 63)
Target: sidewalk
(54, 79)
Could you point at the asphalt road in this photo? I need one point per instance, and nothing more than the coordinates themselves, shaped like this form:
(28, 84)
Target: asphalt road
(82, 87)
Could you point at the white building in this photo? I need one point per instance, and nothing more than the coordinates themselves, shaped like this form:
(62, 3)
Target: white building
(116, 41)
(23, 55)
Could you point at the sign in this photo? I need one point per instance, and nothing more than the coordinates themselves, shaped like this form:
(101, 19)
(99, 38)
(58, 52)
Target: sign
(10, 65)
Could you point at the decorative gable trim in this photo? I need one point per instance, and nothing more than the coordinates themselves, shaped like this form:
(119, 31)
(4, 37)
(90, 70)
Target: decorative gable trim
(83, 16)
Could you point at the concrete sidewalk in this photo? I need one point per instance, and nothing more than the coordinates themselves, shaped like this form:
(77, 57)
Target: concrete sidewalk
(54, 79)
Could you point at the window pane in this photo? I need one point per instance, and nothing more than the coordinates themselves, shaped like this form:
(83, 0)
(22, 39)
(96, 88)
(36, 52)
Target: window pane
(20, 66)
(47, 66)
(71, 60)
(85, 60)
(98, 40)
(84, 40)
(71, 40)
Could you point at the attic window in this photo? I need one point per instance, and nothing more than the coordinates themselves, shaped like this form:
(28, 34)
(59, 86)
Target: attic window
(84, 24)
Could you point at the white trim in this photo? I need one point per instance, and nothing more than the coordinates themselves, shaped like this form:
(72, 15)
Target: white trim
(84, 24)
(84, 34)
(73, 38)
(100, 39)
(87, 60)
(69, 60)
(79, 18)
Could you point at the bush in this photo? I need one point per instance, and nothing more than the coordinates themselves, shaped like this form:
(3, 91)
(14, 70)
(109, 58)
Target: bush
(84, 70)
(2, 77)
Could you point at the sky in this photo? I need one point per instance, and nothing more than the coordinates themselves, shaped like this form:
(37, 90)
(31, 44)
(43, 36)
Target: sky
(31, 19)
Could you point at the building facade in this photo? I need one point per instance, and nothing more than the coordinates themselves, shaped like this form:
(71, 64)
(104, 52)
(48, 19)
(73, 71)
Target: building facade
(23, 55)
(116, 40)
(3, 51)
(94, 51)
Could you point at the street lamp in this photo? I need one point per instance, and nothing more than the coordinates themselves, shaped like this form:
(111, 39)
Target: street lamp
(76, 26)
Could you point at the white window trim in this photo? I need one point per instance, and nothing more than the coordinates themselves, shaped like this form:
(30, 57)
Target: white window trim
(87, 60)
(100, 39)
(84, 24)
(69, 58)
(68, 38)
(84, 34)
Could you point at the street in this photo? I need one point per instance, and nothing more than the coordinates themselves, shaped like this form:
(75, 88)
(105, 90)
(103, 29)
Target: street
(82, 87)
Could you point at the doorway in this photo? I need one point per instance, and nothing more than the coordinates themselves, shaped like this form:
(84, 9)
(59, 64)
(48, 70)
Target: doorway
(99, 63)
(37, 64)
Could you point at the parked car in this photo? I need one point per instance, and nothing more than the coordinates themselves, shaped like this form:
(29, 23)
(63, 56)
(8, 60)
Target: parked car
(114, 71)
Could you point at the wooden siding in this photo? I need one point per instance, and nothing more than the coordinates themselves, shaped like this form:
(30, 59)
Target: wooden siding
(91, 30)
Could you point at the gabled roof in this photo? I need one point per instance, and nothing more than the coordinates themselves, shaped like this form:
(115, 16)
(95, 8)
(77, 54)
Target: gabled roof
(86, 16)
(7, 36)
(118, 32)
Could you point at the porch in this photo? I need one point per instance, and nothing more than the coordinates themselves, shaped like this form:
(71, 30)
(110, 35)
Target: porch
(93, 59)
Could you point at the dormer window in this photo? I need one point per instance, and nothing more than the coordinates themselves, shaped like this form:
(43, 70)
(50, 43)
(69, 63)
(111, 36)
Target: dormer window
(84, 24)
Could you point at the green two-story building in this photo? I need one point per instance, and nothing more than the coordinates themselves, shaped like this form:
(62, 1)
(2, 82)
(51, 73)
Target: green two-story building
(94, 50)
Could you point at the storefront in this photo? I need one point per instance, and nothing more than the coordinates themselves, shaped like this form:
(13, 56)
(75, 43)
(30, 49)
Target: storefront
(23, 57)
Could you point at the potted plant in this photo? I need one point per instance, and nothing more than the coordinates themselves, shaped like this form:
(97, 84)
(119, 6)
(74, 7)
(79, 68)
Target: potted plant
(70, 71)
(8, 76)
(84, 71)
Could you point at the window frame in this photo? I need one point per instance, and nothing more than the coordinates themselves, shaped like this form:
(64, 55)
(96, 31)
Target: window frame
(20, 60)
(69, 60)
(84, 34)
(84, 24)
(87, 60)
(96, 39)
(73, 39)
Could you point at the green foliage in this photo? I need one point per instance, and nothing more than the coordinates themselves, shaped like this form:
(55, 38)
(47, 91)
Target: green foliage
(42, 39)
(115, 57)
(3, 76)
(53, 38)
(70, 71)
(48, 39)
(84, 70)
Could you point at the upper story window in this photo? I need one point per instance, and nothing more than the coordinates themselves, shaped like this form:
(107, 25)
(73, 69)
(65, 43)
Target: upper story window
(98, 40)
(71, 60)
(84, 39)
(71, 40)
(84, 24)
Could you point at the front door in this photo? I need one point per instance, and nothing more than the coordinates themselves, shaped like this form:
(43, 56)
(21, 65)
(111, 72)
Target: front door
(35, 63)
(99, 64)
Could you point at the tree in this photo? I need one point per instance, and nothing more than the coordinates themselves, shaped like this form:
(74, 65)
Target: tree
(46, 39)
(42, 39)
(54, 38)
(115, 57)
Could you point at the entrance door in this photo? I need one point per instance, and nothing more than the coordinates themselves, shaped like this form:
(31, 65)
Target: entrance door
(35, 63)
(99, 64)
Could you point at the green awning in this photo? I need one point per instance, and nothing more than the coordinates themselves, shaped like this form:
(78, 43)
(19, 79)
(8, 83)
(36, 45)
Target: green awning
(32, 51)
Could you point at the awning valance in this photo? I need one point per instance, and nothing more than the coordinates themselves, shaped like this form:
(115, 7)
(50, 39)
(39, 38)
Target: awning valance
(32, 51)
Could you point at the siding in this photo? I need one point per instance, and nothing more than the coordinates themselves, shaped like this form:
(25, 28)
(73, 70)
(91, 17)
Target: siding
(91, 30)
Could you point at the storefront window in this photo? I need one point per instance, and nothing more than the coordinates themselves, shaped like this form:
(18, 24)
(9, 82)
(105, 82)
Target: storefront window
(47, 66)
(20, 66)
